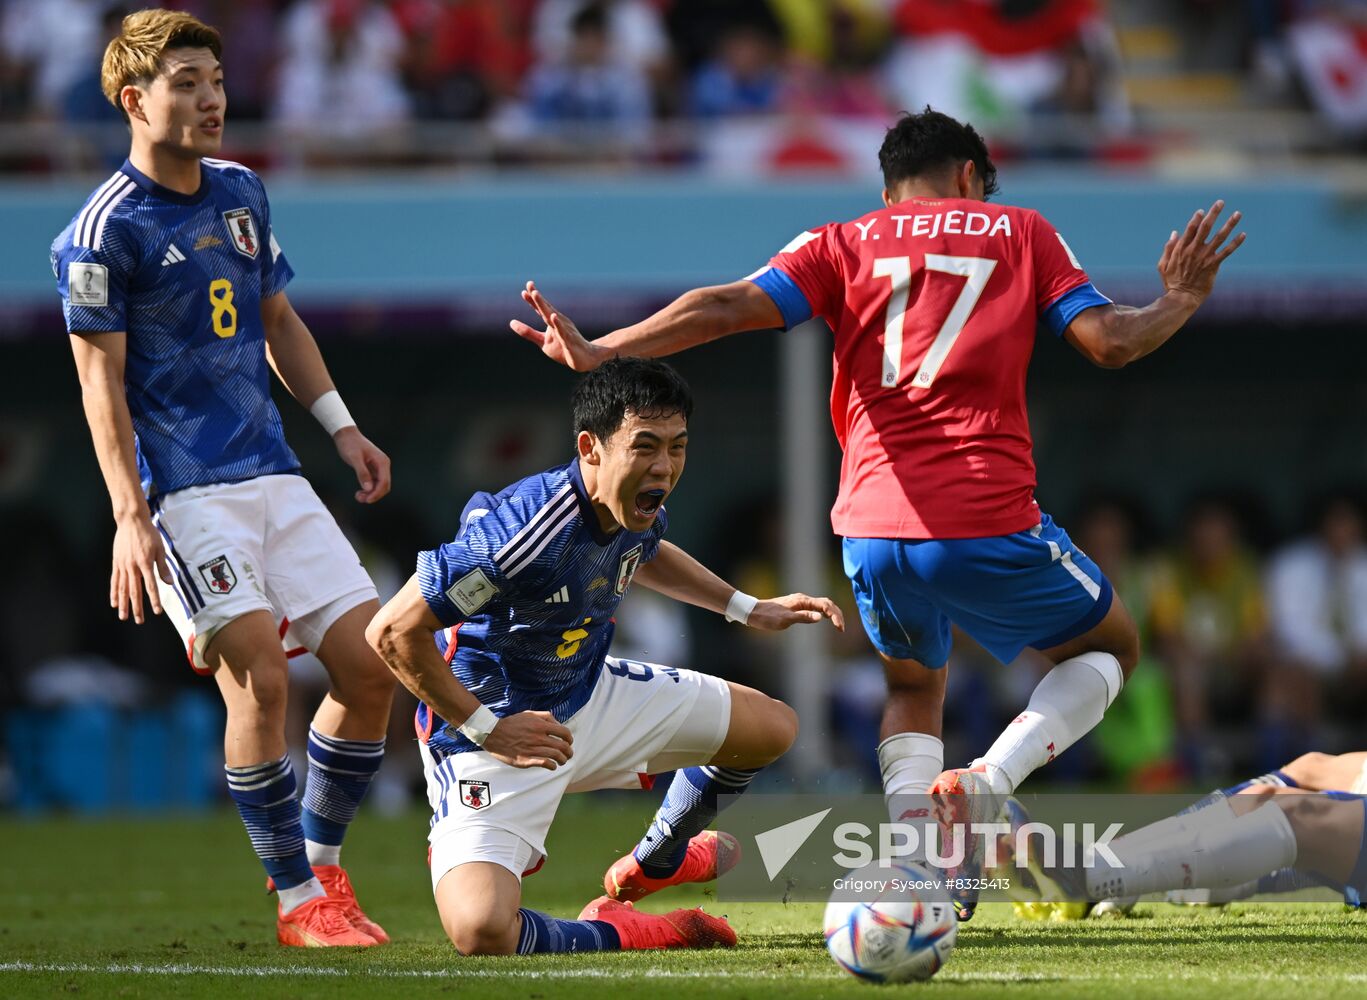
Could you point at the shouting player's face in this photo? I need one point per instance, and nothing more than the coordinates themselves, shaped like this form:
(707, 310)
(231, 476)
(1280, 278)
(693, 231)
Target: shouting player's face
(635, 468)
(182, 109)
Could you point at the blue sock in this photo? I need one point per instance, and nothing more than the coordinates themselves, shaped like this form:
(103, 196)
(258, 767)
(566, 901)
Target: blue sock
(689, 808)
(543, 934)
(1277, 779)
(267, 799)
(339, 775)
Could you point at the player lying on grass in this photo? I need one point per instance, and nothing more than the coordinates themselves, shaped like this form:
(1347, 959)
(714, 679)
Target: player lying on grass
(1312, 772)
(1263, 832)
(934, 300)
(521, 703)
(173, 286)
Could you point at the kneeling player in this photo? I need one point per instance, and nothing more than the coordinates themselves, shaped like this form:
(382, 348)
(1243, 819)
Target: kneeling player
(521, 704)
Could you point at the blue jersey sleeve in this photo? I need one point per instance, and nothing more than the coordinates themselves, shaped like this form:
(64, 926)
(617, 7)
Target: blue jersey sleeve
(459, 579)
(93, 283)
(1063, 310)
(276, 272)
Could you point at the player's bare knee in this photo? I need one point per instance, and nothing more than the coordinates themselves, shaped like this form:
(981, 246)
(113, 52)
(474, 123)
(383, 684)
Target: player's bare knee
(262, 695)
(486, 934)
(782, 728)
(1306, 813)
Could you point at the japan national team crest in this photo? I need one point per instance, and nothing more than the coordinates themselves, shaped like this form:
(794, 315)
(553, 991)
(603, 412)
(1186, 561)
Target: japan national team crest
(475, 794)
(242, 231)
(626, 569)
(218, 575)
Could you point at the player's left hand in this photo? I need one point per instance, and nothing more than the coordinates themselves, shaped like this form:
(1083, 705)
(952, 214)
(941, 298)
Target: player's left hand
(561, 340)
(370, 464)
(777, 613)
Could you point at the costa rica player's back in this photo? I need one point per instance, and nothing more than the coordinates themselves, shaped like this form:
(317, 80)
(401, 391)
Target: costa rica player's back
(934, 305)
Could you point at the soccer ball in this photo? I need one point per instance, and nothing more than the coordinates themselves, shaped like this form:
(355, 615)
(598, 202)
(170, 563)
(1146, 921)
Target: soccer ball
(890, 924)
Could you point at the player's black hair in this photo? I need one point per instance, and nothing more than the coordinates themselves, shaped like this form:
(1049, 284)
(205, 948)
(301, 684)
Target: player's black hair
(929, 142)
(646, 387)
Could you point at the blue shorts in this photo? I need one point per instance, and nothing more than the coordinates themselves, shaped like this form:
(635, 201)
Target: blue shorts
(1033, 588)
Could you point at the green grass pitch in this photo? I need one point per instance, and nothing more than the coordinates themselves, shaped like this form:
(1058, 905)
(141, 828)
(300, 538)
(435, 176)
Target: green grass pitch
(175, 907)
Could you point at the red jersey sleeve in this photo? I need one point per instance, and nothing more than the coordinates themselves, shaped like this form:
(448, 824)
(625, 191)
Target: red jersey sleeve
(1057, 270)
(1062, 288)
(804, 278)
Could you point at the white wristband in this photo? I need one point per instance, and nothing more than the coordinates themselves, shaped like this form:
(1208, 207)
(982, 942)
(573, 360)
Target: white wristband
(477, 728)
(739, 607)
(329, 410)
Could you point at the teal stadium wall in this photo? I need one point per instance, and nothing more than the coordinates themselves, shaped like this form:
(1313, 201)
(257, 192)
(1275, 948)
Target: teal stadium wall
(411, 280)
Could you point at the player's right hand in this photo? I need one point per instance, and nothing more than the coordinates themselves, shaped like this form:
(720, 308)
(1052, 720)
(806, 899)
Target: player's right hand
(1191, 259)
(561, 340)
(138, 555)
(530, 739)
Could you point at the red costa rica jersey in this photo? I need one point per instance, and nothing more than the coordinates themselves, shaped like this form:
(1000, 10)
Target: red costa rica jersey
(934, 304)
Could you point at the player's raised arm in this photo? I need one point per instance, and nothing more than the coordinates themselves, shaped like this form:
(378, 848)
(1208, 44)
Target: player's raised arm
(674, 573)
(402, 634)
(1113, 335)
(694, 318)
(297, 362)
(139, 555)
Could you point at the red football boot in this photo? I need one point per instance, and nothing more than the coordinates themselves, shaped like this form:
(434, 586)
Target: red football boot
(648, 931)
(710, 854)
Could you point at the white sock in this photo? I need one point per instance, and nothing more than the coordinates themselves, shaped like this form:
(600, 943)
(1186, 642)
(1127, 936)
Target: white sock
(300, 894)
(323, 854)
(910, 763)
(1064, 707)
(1209, 851)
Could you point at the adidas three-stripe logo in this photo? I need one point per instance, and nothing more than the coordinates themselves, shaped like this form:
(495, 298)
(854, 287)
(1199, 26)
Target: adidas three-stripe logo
(173, 256)
(561, 596)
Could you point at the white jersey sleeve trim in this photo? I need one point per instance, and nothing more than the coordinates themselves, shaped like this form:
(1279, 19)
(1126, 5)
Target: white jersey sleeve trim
(529, 542)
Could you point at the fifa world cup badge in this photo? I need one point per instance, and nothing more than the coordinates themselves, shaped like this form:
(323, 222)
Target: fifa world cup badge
(475, 794)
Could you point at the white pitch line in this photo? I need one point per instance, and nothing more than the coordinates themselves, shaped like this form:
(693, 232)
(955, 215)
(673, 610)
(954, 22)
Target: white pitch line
(259, 972)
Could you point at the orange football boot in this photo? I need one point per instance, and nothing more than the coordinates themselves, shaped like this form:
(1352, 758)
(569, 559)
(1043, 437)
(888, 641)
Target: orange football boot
(320, 923)
(648, 931)
(710, 854)
(338, 886)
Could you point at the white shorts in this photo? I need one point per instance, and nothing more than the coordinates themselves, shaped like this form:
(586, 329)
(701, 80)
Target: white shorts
(265, 544)
(642, 720)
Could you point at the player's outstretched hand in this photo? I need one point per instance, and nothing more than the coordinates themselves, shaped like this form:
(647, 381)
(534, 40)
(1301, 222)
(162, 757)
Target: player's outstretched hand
(777, 613)
(561, 340)
(1191, 259)
(139, 558)
(369, 463)
(531, 739)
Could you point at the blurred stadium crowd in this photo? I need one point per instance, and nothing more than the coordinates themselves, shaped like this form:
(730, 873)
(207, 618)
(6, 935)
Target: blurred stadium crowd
(739, 85)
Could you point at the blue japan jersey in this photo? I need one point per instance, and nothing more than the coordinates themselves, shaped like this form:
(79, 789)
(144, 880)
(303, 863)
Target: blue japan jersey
(527, 592)
(184, 277)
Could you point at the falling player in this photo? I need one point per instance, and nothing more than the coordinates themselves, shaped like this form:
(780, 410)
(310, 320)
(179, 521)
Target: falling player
(934, 300)
(521, 703)
(1266, 837)
(173, 287)
(1341, 774)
